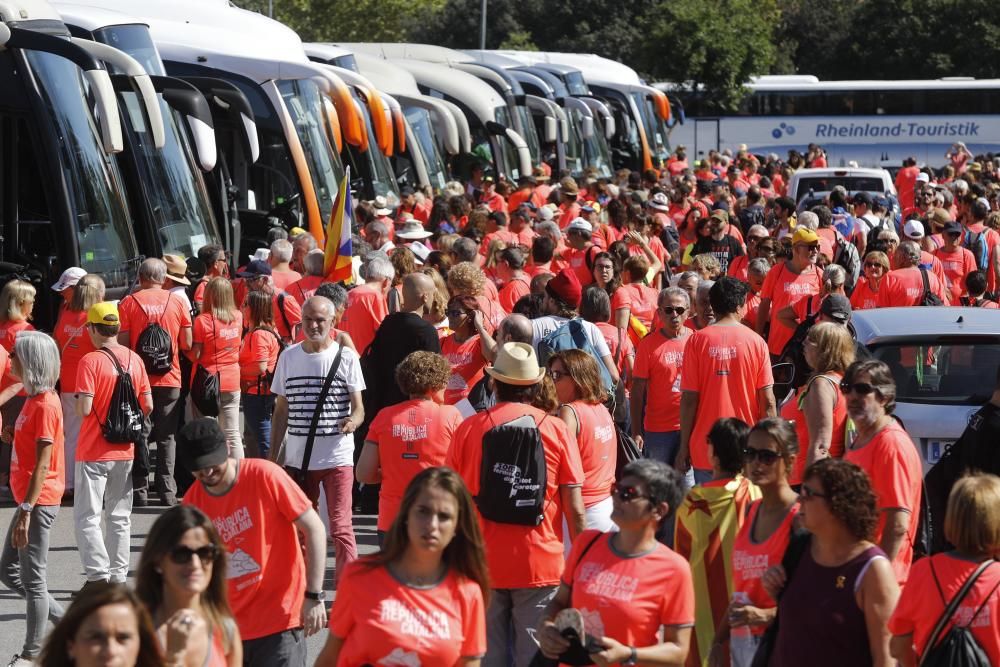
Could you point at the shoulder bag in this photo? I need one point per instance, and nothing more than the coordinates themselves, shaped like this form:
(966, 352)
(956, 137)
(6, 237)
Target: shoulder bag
(298, 474)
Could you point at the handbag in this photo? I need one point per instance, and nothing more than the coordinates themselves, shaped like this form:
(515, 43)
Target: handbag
(206, 388)
(298, 474)
(628, 451)
(797, 545)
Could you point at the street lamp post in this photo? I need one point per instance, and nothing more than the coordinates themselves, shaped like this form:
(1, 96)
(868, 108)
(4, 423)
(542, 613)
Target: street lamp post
(482, 26)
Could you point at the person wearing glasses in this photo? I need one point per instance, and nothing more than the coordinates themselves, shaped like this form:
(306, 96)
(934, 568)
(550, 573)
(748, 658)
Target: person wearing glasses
(769, 457)
(787, 283)
(625, 584)
(759, 244)
(873, 286)
(467, 348)
(834, 608)
(182, 581)
(885, 451)
(216, 261)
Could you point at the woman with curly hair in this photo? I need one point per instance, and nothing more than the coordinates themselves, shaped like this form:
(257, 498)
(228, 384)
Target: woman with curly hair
(834, 608)
(408, 437)
(467, 279)
(467, 348)
(403, 262)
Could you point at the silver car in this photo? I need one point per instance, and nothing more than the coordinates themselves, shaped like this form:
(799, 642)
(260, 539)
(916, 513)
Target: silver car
(944, 361)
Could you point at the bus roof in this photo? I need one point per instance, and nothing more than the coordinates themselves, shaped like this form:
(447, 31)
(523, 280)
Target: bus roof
(426, 52)
(474, 93)
(593, 67)
(808, 83)
(92, 18)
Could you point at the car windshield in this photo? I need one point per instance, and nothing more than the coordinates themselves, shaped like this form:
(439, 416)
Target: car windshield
(952, 373)
(827, 183)
(92, 181)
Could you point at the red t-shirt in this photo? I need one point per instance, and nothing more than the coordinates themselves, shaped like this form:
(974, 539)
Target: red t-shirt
(659, 361)
(137, 310)
(512, 291)
(366, 308)
(598, 450)
(957, 264)
(259, 345)
(726, 365)
(893, 465)
(41, 418)
(907, 288)
(865, 298)
(921, 603)
(467, 364)
(784, 287)
(304, 288)
(411, 436)
(220, 349)
(287, 313)
(752, 559)
(96, 377)
(639, 299)
(282, 279)
(739, 267)
(753, 307)
(385, 622)
(578, 261)
(628, 599)
(793, 413)
(74, 342)
(521, 556)
(611, 337)
(266, 574)
(567, 214)
(8, 332)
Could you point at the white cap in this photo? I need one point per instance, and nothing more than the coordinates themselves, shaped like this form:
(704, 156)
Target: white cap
(659, 202)
(923, 177)
(69, 277)
(545, 214)
(420, 251)
(913, 229)
(579, 224)
(261, 253)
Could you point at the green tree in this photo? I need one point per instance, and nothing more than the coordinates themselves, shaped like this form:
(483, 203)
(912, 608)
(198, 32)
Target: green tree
(715, 45)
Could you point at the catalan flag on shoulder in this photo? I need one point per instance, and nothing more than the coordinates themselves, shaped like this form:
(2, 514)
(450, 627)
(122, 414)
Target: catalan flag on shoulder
(337, 262)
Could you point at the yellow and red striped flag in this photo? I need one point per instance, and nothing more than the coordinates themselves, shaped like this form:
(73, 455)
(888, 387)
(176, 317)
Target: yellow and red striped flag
(337, 261)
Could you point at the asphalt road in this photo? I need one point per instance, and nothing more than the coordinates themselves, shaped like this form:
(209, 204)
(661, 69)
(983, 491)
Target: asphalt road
(66, 574)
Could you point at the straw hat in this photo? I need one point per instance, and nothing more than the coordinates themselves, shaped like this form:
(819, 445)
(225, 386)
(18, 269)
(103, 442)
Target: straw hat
(177, 268)
(517, 364)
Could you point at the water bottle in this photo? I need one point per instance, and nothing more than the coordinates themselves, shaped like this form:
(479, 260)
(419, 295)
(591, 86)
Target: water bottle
(741, 640)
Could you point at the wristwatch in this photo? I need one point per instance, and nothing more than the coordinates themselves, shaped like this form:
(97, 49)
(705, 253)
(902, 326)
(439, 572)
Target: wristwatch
(319, 597)
(25, 507)
(633, 658)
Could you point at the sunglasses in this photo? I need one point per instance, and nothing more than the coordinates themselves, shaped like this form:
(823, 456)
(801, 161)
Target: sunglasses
(873, 265)
(807, 492)
(673, 310)
(558, 375)
(183, 555)
(454, 313)
(765, 456)
(628, 493)
(861, 388)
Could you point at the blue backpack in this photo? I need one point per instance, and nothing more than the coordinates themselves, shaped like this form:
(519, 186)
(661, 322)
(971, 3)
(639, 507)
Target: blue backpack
(572, 336)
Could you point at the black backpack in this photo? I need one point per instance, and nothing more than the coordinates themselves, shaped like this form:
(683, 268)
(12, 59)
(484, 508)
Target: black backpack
(929, 298)
(750, 216)
(513, 475)
(958, 648)
(154, 346)
(123, 423)
(847, 256)
(874, 231)
(975, 242)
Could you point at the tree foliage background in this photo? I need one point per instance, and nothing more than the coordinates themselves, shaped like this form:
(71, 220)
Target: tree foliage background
(716, 44)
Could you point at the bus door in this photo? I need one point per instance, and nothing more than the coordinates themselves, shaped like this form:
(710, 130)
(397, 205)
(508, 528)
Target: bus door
(706, 137)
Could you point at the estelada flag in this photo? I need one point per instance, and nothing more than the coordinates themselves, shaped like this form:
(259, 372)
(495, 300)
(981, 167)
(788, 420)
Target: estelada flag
(706, 528)
(337, 254)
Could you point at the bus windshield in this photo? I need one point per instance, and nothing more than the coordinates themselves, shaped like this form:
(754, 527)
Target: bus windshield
(93, 184)
(530, 134)
(509, 150)
(383, 179)
(420, 123)
(656, 138)
(305, 106)
(596, 152)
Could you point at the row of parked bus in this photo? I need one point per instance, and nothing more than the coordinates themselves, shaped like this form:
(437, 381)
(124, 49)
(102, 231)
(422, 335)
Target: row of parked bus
(131, 129)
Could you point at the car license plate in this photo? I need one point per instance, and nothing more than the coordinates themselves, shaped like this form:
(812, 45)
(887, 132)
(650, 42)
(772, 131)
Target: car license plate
(936, 449)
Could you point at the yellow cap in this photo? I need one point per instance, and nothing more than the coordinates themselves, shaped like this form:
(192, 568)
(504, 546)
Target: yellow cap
(296, 231)
(804, 235)
(105, 312)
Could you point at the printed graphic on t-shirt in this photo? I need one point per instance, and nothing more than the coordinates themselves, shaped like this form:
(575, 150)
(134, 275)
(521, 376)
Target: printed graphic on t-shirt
(608, 585)
(414, 622)
(400, 658)
(240, 565)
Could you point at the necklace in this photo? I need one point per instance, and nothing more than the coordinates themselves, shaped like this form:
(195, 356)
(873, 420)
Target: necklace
(416, 580)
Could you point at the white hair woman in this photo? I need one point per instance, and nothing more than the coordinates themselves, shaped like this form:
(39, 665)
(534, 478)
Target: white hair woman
(37, 479)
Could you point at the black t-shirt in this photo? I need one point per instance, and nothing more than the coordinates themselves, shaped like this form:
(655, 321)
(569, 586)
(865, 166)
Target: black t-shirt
(724, 249)
(397, 336)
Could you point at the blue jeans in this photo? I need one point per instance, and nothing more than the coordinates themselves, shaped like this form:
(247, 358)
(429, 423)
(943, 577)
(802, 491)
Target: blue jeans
(661, 446)
(257, 410)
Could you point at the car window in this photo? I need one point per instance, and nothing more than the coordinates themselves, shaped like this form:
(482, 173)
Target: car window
(953, 373)
(827, 183)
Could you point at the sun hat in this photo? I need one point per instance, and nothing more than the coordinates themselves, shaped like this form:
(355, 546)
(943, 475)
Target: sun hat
(177, 268)
(413, 230)
(516, 364)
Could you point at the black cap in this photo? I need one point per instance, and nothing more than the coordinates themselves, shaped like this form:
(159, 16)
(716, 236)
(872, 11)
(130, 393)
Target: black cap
(837, 308)
(953, 227)
(257, 267)
(202, 444)
(407, 190)
(863, 198)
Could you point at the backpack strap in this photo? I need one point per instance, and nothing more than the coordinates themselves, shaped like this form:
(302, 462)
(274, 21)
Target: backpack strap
(114, 360)
(318, 410)
(952, 606)
(280, 343)
(281, 311)
(926, 280)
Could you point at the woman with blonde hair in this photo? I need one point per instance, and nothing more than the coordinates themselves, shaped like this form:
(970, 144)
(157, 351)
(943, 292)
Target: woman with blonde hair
(972, 525)
(258, 358)
(74, 342)
(182, 581)
(17, 301)
(217, 333)
(819, 410)
(493, 250)
(875, 282)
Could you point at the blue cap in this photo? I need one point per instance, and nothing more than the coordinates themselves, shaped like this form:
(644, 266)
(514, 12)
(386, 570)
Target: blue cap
(257, 267)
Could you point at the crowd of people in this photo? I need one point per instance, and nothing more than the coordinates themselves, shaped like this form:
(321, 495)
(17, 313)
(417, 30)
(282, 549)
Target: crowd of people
(560, 401)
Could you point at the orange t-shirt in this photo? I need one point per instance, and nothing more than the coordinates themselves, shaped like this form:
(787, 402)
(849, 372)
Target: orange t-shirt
(753, 307)
(493, 314)
(784, 287)
(659, 361)
(287, 313)
(385, 622)
(267, 574)
(751, 559)
(282, 279)
(791, 412)
(907, 288)
(8, 332)
(726, 365)
(304, 288)
(467, 364)
(739, 267)
(893, 465)
(512, 291)
(865, 298)
(611, 336)
(411, 436)
(137, 310)
(567, 212)
(74, 342)
(639, 299)
(41, 418)
(96, 377)
(366, 308)
(957, 264)
(259, 345)
(521, 556)
(628, 599)
(220, 349)
(921, 605)
(578, 261)
(598, 450)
